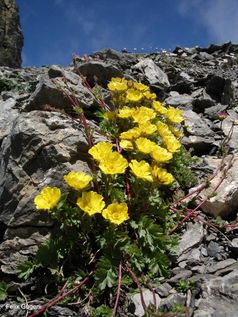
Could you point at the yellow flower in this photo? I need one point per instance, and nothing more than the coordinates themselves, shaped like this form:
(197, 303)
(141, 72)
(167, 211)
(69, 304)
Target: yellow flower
(100, 150)
(125, 112)
(176, 132)
(163, 129)
(161, 155)
(119, 80)
(144, 145)
(91, 202)
(113, 163)
(116, 213)
(143, 114)
(141, 170)
(140, 87)
(149, 96)
(147, 128)
(48, 198)
(131, 134)
(77, 180)
(109, 115)
(162, 176)
(126, 145)
(159, 107)
(172, 144)
(133, 95)
(174, 115)
(117, 85)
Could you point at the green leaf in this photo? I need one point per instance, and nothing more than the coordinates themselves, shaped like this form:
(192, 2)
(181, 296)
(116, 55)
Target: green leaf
(105, 275)
(48, 254)
(102, 311)
(25, 269)
(3, 290)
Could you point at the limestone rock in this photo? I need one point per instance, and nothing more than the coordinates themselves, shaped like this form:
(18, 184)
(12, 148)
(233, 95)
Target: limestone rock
(52, 92)
(152, 73)
(225, 199)
(230, 128)
(11, 38)
(219, 296)
(192, 237)
(176, 99)
(98, 72)
(17, 250)
(195, 125)
(148, 298)
(7, 115)
(39, 150)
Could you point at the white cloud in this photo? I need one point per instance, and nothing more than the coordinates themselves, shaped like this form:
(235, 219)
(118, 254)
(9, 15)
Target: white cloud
(219, 17)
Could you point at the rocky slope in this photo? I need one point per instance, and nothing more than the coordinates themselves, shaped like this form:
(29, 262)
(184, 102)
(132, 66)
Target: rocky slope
(41, 139)
(11, 37)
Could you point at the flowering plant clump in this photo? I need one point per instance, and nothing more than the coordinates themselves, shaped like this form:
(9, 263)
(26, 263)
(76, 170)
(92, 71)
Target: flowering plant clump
(117, 217)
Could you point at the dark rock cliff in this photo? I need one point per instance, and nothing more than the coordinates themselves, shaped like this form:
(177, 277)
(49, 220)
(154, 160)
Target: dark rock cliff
(11, 37)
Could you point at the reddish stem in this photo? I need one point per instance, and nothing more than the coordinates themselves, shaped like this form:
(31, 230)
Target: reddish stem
(118, 289)
(202, 186)
(191, 212)
(60, 296)
(138, 285)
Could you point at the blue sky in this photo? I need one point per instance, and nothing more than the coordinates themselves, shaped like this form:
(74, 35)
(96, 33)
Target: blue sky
(54, 30)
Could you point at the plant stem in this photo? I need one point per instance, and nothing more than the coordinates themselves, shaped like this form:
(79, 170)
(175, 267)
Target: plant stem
(138, 285)
(118, 289)
(60, 296)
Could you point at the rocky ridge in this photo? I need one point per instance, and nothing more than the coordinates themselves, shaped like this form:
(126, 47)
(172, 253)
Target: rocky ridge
(41, 139)
(11, 37)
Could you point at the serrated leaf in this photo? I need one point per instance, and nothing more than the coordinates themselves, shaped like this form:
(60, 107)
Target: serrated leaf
(105, 275)
(25, 269)
(102, 311)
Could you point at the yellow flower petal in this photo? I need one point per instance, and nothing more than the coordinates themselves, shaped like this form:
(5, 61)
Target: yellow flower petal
(161, 155)
(117, 85)
(133, 95)
(78, 180)
(159, 107)
(125, 112)
(109, 115)
(174, 115)
(163, 129)
(126, 145)
(141, 170)
(116, 213)
(149, 96)
(100, 150)
(162, 176)
(48, 198)
(114, 163)
(144, 145)
(91, 202)
(171, 143)
(130, 134)
(140, 87)
(147, 128)
(143, 114)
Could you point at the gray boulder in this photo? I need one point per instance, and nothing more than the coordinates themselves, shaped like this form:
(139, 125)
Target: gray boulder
(225, 199)
(152, 73)
(219, 296)
(39, 150)
(98, 72)
(59, 95)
